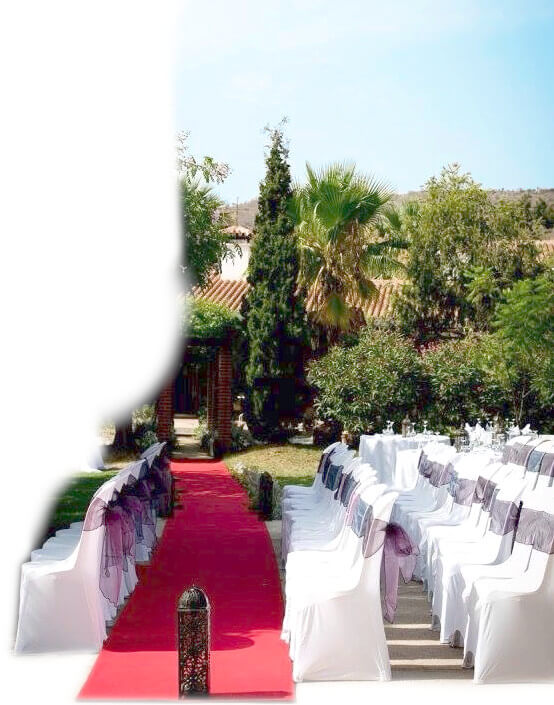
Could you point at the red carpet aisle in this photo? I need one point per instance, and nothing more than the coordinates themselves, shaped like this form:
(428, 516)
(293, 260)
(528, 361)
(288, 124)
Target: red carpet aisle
(215, 542)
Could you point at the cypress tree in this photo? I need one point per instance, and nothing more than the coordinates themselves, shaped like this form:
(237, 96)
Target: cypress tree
(274, 315)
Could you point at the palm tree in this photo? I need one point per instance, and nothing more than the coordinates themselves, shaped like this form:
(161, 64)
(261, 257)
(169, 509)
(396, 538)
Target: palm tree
(348, 234)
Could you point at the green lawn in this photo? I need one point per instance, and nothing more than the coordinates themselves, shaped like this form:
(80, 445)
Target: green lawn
(287, 463)
(72, 503)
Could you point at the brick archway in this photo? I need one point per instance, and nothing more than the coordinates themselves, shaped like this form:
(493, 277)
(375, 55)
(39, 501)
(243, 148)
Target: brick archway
(220, 401)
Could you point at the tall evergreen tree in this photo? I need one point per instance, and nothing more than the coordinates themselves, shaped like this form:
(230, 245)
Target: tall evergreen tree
(274, 314)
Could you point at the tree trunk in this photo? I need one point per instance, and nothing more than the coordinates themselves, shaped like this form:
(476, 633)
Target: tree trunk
(124, 434)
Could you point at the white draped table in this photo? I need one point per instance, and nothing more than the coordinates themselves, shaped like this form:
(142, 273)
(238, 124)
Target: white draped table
(379, 450)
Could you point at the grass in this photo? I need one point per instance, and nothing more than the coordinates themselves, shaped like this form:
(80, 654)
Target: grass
(72, 503)
(288, 464)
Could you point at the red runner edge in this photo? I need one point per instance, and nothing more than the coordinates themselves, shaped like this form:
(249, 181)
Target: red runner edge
(214, 541)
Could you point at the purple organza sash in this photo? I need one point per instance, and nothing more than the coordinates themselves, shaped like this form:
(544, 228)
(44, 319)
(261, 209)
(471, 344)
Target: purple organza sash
(547, 465)
(424, 466)
(112, 555)
(436, 473)
(348, 489)
(461, 489)
(399, 558)
(360, 517)
(158, 487)
(324, 463)
(536, 529)
(504, 517)
(94, 517)
(479, 493)
(333, 477)
(342, 481)
(133, 506)
(544, 536)
(141, 490)
(447, 474)
(517, 453)
(127, 535)
(489, 495)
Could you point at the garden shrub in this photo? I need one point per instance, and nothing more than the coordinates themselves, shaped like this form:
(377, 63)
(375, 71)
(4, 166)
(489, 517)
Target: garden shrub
(460, 386)
(363, 386)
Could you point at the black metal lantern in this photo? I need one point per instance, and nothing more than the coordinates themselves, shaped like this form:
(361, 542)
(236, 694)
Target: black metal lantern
(193, 633)
(265, 495)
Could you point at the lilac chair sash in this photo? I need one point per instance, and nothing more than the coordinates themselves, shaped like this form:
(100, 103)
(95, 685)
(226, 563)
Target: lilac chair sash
(399, 558)
(333, 477)
(348, 489)
(447, 474)
(322, 461)
(325, 462)
(461, 489)
(536, 529)
(479, 493)
(436, 473)
(424, 466)
(360, 516)
(133, 506)
(517, 453)
(547, 465)
(504, 517)
(489, 495)
(544, 536)
(112, 555)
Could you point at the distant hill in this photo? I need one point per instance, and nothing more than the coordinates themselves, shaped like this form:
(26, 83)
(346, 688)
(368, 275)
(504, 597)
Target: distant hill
(247, 210)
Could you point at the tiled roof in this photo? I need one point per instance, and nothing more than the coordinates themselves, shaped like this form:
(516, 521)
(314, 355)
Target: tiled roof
(379, 306)
(223, 291)
(232, 292)
(238, 231)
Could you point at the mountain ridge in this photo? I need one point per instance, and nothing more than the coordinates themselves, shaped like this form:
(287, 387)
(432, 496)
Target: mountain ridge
(247, 209)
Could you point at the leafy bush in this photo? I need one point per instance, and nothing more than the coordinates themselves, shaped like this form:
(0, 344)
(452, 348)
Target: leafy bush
(524, 326)
(207, 319)
(241, 438)
(460, 386)
(362, 386)
(144, 436)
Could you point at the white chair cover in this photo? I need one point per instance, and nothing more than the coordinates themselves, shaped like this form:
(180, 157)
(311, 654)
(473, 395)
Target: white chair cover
(338, 631)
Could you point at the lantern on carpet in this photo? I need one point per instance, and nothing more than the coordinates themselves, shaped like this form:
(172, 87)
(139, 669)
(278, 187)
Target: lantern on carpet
(193, 633)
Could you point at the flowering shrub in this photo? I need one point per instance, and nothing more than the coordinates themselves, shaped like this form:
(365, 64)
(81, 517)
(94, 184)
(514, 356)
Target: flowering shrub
(364, 385)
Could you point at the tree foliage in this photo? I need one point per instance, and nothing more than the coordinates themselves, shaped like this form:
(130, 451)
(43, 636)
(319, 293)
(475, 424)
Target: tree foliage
(203, 221)
(522, 353)
(464, 252)
(337, 213)
(208, 319)
(364, 385)
(272, 310)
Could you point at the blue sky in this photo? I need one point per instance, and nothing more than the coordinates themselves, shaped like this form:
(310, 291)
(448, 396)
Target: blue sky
(401, 87)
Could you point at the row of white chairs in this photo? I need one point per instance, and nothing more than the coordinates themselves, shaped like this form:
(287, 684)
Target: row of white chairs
(484, 526)
(74, 585)
(333, 537)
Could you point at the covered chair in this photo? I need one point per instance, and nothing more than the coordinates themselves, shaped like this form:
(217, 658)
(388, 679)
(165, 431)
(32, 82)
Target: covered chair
(338, 631)
(509, 635)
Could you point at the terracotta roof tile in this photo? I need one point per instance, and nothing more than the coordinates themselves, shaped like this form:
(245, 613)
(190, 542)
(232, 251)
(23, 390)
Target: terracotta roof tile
(224, 291)
(231, 293)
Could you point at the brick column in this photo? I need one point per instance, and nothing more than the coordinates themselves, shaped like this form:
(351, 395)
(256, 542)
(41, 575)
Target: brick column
(164, 411)
(224, 397)
(211, 411)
